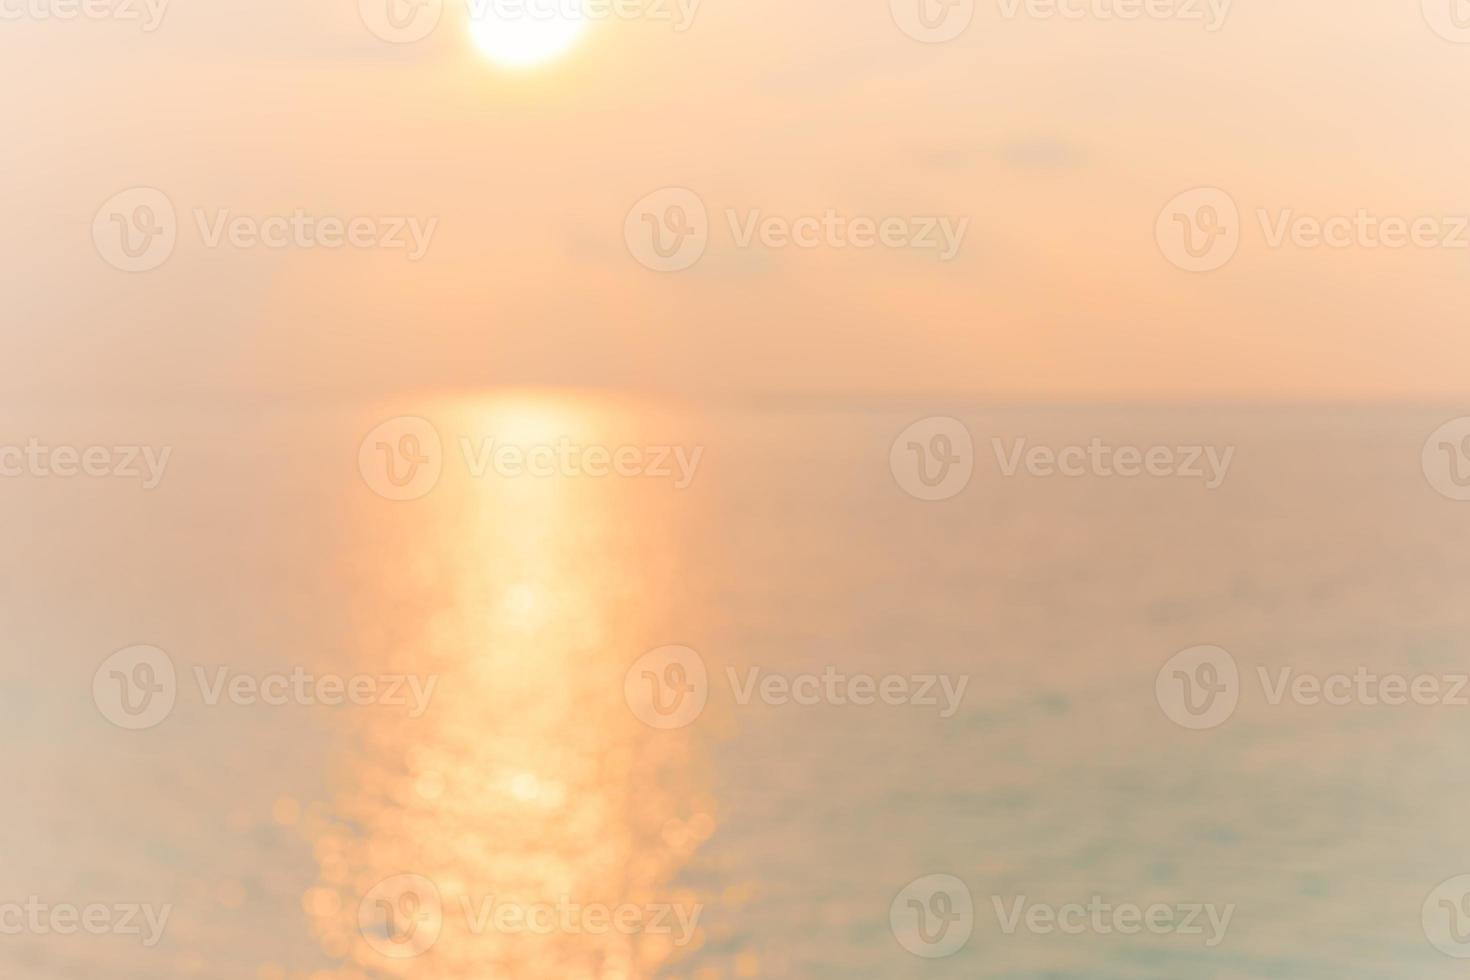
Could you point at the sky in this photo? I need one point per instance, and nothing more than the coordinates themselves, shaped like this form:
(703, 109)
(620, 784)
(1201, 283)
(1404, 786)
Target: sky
(1056, 141)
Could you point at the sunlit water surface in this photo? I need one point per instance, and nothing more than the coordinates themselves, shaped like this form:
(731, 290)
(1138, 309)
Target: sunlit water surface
(790, 829)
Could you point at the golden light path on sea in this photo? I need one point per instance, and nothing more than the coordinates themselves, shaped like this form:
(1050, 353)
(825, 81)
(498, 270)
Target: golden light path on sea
(528, 782)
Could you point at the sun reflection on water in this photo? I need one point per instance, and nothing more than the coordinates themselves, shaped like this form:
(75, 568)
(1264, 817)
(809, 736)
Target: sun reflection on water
(528, 780)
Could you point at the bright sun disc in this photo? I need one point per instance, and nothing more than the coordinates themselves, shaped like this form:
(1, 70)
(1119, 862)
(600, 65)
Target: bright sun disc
(525, 33)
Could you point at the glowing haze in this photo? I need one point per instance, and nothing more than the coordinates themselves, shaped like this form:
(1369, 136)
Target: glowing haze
(1058, 139)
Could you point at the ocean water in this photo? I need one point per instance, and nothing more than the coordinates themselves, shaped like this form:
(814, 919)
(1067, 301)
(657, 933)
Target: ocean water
(294, 840)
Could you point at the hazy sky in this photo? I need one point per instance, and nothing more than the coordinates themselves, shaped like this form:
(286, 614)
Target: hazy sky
(1059, 140)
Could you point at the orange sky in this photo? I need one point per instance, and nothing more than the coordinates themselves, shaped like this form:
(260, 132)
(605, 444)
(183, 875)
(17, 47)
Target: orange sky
(1059, 141)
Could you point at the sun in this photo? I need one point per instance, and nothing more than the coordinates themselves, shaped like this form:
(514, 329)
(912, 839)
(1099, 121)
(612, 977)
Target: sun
(519, 35)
